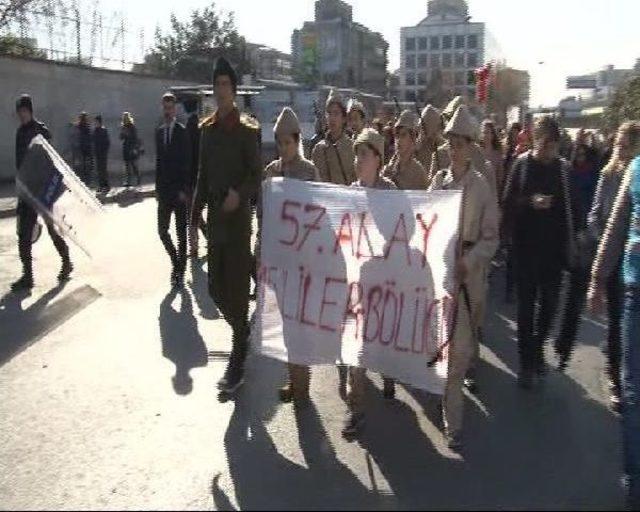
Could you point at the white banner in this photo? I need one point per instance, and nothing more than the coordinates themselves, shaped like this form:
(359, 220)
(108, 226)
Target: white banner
(51, 187)
(358, 276)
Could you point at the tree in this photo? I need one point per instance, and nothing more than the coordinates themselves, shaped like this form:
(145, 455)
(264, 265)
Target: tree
(508, 88)
(624, 106)
(11, 45)
(10, 10)
(189, 49)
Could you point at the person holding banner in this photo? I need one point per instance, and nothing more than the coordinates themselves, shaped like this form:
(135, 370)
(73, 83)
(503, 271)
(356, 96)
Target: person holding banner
(229, 177)
(27, 217)
(403, 169)
(477, 245)
(333, 156)
(290, 164)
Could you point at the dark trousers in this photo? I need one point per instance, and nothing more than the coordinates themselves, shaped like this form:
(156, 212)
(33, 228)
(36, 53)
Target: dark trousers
(101, 168)
(574, 307)
(27, 218)
(131, 168)
(86, 167)
(615, 300)
(179, 209)
(537, 304)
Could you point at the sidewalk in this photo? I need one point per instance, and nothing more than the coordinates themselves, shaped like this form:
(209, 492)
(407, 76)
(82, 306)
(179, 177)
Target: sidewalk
(8, 200)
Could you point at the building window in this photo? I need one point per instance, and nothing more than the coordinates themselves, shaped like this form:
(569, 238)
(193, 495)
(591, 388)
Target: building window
(410, 96)
(434, 42)
(422, 43)
(411, 61)
(422, 60)
(411, 79)
(459, 42)
(435, 60)
(472, 60)
(472, 41)
(422, 78)
(446, 60)
(447, 42)
(411, 44)
(459, 60)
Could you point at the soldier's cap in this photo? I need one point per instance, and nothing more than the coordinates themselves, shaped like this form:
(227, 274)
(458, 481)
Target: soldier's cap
(462, 124)
(335, 97)
(372, 138)
(223, 68)
(451, 108)
(287, 123)
(407, 119)
(24, 101)
(356, 105)
(431, 119)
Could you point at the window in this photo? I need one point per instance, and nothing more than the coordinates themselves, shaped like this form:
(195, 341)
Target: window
(435, 60)
(411, 61)
(472, 60)
(447, 42)
(410, 96)
(459, 42)
(411, 79)
(422, 60)
(411, 44)
(446, 60)
(472, 41)
(459, 60)
(422, 43)
(434, 42)
(422, 78)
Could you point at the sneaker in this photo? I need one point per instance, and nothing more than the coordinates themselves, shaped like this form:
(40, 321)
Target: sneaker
(389, 389)
(285, 393)
(454, 441)
(23, 284)
(65, 271)
(353, 424)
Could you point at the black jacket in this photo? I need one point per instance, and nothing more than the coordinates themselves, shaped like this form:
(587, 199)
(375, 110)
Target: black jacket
(101, 142)
(25, 135)
(172, 163)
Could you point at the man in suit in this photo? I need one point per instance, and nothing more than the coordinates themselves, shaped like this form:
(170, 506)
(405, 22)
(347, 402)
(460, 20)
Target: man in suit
(101, 144)
(172, 185)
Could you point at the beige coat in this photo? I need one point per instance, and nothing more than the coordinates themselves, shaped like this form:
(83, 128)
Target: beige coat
(411, 176)
(335, 161)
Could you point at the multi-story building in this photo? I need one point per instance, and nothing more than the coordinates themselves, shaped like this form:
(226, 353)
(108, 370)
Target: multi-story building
(335, 50)
(602, 84)
(443, 51)
(269, 63)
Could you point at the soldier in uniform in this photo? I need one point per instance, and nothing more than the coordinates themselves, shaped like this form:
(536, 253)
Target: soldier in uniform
(27, 216)
(333, 156)
(429, 138)
(478, 243)
(290, 164)
(403, 169)
(229, 177)
(356, 117)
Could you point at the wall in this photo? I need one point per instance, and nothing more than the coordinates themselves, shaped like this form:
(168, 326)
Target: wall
(61, 91)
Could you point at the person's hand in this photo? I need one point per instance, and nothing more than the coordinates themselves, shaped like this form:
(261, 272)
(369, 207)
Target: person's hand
(596, 299)
(541, 201)
(231, 202)
(462, 270)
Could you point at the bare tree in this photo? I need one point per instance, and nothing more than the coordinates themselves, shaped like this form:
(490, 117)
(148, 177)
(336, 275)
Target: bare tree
(11, 9)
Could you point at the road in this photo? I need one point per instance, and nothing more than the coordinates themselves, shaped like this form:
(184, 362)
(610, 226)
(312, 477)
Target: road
(97, 411)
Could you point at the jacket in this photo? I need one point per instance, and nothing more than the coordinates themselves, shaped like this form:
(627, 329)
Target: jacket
(101, 141)
(24, 136)
(335, 161)
(172, 163)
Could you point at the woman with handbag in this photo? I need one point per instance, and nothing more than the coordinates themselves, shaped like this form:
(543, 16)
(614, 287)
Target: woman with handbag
(130, 148)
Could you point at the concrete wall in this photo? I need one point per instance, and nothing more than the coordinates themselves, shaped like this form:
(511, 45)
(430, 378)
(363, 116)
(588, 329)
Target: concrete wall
(61, 91)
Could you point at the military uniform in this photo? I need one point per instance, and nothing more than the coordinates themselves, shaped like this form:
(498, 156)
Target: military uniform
(410, 176)
(229, 158)
(335, 160)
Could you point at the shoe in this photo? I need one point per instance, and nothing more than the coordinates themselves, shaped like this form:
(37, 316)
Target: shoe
(286, 393)
(454, 441)
(563, 364)
(471, 385)
(389, 389)
(353, 425)
(235, 378)
(65, 271)
(23, 284)
(525, 380)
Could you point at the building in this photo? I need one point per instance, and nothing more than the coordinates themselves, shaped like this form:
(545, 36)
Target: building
(602, 84)
(269, 63)
(335, 50)
(442, 52)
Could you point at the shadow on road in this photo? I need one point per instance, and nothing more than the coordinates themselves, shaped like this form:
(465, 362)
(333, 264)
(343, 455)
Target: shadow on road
(24, 327)
(182, 343)
(200, 288)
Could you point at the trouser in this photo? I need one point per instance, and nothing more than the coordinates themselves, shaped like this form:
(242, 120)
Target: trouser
(229, 274)
(300, 379)
(574, 306)
(179, 209)
(537, 304)
(461, 352)
(101, 168)
(131, 168)
(195, 221)
(86, 167)
(27, 218)
(631, 392)
(356, 390)
(510, 272)
(615, 293)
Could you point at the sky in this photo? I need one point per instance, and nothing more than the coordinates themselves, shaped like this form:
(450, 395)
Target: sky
(552, 38)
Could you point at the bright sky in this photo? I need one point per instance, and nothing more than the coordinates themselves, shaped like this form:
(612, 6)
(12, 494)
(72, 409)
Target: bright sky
(569, 36)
